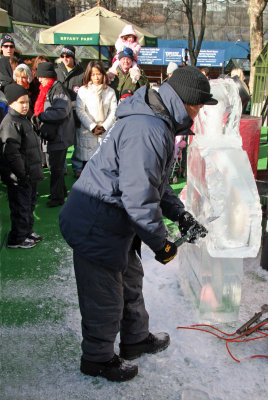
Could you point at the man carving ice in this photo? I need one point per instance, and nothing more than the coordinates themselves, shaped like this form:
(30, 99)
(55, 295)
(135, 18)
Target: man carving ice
(120, 199)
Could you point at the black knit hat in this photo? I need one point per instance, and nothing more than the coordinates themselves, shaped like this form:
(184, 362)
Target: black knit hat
(127, 52)
(14, 91)
(192, 86)
(46, 70)
(126, 93)
(68, 50)
(6, 38)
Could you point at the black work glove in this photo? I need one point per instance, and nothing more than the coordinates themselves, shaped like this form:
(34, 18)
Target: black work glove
(167, 253)
(188, 223)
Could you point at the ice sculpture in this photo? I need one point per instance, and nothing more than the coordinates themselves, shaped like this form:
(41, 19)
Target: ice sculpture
(220, 183)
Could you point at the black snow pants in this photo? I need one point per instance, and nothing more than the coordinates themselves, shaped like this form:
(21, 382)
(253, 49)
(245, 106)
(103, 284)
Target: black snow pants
(110, 302)
(58, 189)
(22, 202)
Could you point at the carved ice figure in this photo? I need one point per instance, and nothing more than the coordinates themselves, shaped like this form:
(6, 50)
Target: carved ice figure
(220, 183)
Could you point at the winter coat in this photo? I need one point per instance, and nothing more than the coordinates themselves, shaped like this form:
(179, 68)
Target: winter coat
(58, 116)
(86, 106)
(123, 82)
(6, 74)
(123, 189)
(3, 106)
(72, 80)
(21, 151)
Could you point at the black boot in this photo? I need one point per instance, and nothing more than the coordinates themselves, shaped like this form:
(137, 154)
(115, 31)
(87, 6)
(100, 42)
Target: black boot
(115, 369)
(152, 344)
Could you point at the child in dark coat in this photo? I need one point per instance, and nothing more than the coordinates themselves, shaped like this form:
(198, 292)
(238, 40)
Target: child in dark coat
(21, 167)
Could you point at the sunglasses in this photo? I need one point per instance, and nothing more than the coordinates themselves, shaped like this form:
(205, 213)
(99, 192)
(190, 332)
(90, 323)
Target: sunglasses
(65, 56)
(11, 46)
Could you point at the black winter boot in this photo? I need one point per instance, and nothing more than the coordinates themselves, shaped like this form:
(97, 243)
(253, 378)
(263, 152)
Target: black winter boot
(115, 369)
(152, 344)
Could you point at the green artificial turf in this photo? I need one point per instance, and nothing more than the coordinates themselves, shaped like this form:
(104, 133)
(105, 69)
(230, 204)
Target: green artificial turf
(263, 150)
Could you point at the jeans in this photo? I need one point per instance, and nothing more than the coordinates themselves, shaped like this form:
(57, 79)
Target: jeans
(77, 165)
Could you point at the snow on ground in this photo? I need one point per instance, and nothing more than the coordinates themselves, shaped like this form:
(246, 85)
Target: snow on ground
(41, 362)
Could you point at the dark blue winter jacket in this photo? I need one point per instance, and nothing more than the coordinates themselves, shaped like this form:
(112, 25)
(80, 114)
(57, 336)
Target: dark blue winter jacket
(123, 189)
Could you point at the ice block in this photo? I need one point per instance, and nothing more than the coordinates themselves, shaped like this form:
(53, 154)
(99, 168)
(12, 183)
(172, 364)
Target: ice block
(220, 183)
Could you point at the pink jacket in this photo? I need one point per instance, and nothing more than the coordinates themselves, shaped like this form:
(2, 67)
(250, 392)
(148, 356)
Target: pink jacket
(120, 43)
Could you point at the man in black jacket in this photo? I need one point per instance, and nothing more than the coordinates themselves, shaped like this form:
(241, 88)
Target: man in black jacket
(21, 167)
(57, 127)
(7, 46)
(71, 75)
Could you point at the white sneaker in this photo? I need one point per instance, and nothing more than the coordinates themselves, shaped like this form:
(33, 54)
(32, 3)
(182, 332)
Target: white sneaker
(35, 237)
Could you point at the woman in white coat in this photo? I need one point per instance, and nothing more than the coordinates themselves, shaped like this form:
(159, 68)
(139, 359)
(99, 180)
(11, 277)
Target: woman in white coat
(95, 107)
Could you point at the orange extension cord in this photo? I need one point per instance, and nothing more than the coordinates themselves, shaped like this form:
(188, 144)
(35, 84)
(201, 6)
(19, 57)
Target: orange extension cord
(198, 327)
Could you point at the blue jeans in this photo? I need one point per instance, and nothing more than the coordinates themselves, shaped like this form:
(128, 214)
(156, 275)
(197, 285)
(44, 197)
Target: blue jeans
(77, 165)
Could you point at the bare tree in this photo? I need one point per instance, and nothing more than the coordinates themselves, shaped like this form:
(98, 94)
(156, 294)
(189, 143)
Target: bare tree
(110, 5)
(196, 22)
(193, 44)
(255, 12)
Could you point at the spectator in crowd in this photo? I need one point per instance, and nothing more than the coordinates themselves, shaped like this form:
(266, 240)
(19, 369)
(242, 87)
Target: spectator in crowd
(171, 68)
(71, 74)
(95, 107)
(7, 46)
(127, 38)
(125, 94)
(3, 105)
(35, 85)
(35, 82)
(205, 71)
(13, 60)
(7, 50)
(23, 76)
(123, 80)
(238, 76)
(22, 169)
(53, 109)
(121, 196)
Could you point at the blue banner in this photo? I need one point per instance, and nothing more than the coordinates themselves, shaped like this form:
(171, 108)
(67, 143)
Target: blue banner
(174, 55)
(162, 56)
(210, 58)
(151, 55)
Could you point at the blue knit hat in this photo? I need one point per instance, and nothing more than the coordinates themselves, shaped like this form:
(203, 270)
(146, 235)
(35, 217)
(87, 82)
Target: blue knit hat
(127, 52)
